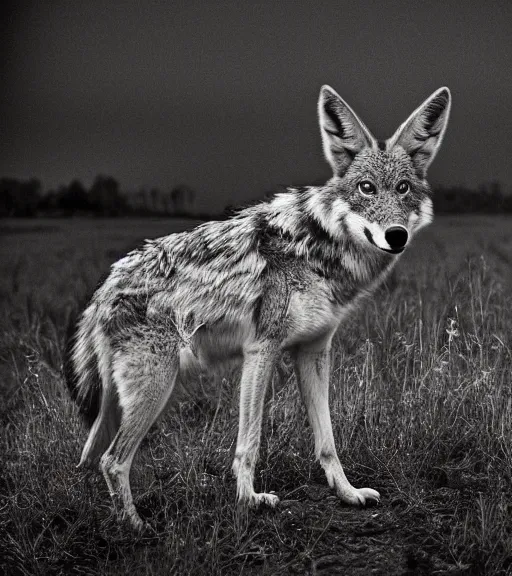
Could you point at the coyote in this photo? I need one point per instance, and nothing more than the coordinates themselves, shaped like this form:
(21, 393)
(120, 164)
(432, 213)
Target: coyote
(278, 276)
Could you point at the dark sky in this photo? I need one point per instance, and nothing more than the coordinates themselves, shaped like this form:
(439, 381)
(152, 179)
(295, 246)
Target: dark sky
(222, 95)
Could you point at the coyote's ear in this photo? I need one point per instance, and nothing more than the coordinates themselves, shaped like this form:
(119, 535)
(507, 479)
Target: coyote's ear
(421, 134)
(343, 134)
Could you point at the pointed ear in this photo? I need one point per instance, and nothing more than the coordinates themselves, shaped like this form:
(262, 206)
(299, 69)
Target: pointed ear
(343, 134)
(421, 134)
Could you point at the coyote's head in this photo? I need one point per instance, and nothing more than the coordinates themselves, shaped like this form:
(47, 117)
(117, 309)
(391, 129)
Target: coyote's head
(380, 188)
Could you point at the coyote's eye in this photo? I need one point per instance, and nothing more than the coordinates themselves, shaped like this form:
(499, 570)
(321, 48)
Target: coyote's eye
(403, 187)
(367, 188)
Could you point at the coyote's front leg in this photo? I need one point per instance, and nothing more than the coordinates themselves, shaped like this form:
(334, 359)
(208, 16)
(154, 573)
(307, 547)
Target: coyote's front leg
(312, 370)
(259, 362)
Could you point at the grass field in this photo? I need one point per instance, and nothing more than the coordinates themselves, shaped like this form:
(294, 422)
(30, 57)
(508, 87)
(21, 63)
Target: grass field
(422, 410)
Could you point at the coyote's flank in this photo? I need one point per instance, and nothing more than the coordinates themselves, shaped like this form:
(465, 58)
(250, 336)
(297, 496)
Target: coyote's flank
(279, 276)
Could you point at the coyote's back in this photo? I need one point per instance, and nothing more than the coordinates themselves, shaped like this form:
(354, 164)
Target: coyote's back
(280, 276)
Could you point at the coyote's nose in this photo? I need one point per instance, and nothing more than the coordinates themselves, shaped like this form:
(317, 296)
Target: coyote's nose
(396, 237)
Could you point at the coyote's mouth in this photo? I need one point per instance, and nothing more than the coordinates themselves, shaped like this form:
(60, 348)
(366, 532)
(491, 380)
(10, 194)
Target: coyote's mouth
(368, 234)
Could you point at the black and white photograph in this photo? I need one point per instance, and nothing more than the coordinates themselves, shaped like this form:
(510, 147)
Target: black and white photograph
(256, 288)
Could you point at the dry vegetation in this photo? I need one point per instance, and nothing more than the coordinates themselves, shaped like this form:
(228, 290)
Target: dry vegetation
(421, 403)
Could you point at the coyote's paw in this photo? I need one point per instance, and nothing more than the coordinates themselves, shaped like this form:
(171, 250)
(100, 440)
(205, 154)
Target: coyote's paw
(367, 496)
(134, 522)
(265, 498)
(360, 497)
(346, 492)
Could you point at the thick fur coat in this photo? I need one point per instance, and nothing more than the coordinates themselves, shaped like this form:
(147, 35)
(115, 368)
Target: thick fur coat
(279, 276)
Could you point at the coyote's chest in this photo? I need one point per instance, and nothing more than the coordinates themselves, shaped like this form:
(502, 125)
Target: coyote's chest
(311, 315)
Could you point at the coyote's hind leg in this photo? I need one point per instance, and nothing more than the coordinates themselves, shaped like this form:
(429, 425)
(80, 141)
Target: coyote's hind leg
(144, 372)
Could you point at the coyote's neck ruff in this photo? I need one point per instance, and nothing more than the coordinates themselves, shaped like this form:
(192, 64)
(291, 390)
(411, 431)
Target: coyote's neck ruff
(278, 276)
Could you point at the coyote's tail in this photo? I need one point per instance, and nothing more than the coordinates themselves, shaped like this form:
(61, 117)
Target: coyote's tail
(81, 368)
(90, 385)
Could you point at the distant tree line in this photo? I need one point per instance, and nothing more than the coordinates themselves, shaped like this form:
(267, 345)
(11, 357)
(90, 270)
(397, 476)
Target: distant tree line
(26, 198)
(486, 199)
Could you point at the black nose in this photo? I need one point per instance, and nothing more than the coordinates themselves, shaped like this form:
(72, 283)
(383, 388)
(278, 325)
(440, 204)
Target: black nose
(396, 237)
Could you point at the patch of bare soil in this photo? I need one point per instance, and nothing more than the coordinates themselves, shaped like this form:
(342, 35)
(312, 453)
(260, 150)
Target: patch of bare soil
(400, 538)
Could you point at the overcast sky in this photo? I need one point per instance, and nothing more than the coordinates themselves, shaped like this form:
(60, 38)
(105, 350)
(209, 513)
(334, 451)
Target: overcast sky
(222, 95)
